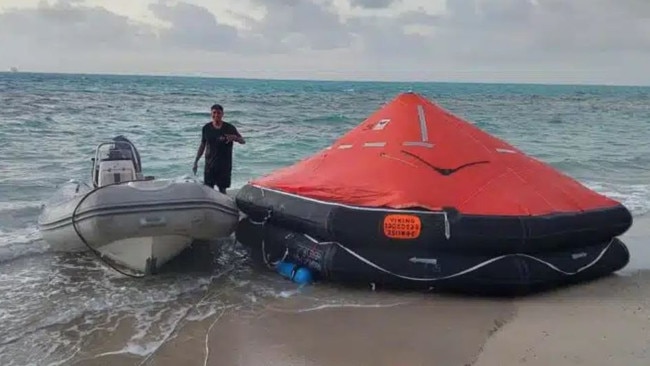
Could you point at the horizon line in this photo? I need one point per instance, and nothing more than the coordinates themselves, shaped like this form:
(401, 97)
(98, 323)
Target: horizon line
(180, 75)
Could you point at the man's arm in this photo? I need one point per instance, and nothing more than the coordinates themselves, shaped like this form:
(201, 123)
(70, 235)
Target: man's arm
(236, 136)
(199, 152)
(239, 139)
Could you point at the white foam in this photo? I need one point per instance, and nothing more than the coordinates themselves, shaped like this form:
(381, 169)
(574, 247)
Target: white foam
(18, 205)
(198, 316)
(96, 301)
(147, 340)
(636, 197)
(25, 235)
(346, 305)
(288, 293)
(19, 242)
(80, 297)
(627, 272)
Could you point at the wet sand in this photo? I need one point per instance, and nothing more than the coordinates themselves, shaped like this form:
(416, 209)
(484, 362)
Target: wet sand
(418, 331)
(604, 322)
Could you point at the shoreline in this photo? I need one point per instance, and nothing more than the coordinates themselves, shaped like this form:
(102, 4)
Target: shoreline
(600, 322)
(637, 239)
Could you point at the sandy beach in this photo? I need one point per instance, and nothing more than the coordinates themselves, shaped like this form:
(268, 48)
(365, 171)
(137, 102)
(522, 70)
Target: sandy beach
(604, 322)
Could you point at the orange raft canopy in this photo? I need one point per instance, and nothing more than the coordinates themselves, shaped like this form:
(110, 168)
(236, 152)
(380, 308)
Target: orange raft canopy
(411, 153)
(414, 179)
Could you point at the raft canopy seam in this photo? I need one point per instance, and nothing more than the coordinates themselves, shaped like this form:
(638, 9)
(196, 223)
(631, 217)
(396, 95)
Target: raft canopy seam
(507, 151)
(329, 203)
(424, 131)
(374, 144)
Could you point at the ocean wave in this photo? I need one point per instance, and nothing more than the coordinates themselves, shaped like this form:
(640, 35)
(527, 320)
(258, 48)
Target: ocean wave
(82, 298)
(17, 216)
(16, 206)
(616, 161)
(327, 118)
(636, 197)
(17, 243)
(195, 114)
(75, 309)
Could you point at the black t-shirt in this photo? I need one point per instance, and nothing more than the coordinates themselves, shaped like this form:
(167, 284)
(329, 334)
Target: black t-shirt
(218, 153)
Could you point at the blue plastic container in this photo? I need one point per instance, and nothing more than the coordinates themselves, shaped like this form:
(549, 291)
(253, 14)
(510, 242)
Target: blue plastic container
(296, 273)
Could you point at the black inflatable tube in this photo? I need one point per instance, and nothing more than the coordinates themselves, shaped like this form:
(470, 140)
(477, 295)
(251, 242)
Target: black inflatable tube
(412, 266)
(446, 230)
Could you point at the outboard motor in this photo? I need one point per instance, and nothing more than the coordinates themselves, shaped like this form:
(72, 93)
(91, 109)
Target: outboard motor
(123, 144)
(121, 163)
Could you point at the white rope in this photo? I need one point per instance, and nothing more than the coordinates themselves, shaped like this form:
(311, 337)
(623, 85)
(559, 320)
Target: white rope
(457, 274)
(270, 265)
(468, 270)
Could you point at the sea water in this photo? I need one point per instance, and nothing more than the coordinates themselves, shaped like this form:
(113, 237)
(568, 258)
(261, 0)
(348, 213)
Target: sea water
(54, 304)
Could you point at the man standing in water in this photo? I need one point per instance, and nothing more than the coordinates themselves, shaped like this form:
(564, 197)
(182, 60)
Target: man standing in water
(218, 137)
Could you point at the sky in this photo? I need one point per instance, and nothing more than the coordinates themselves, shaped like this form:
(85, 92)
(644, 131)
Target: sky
(539, 41)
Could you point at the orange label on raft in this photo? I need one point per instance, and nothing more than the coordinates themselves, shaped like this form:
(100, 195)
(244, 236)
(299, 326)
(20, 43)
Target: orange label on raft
(399, 226)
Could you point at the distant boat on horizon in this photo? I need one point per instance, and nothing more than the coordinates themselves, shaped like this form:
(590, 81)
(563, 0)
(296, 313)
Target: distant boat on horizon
(13, 69)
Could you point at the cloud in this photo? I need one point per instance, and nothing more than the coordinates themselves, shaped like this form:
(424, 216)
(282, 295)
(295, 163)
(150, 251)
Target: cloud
(195, 27)
(285, 27)
(372, 4)
(302, 24)
(551, 26)
(384, 41)
(588, 26)
(68, 26)
(492, 40)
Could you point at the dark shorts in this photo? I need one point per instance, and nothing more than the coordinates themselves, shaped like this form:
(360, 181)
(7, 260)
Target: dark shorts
(219, 177)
